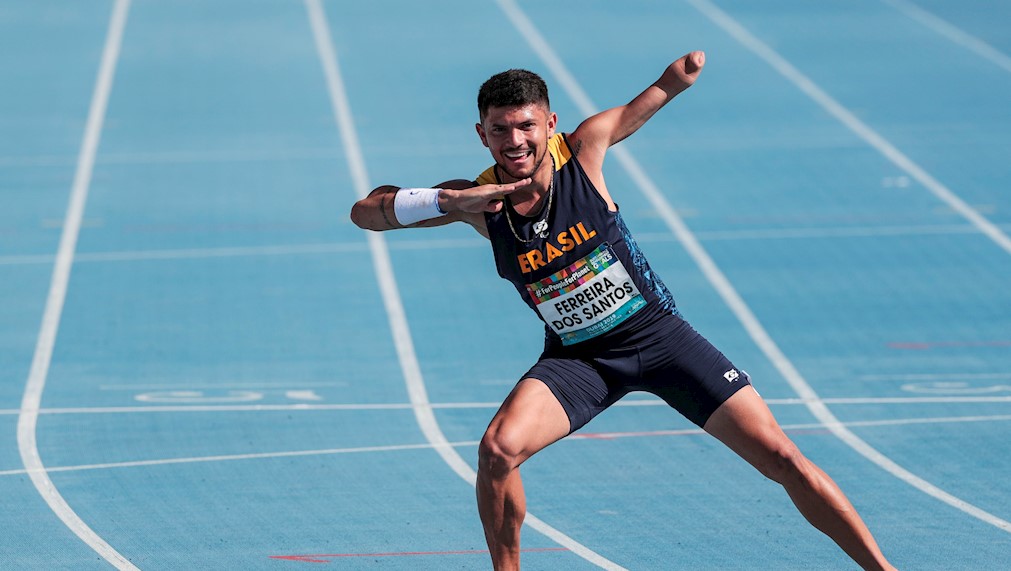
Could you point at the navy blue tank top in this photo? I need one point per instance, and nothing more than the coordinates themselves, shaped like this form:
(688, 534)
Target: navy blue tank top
(587, 279)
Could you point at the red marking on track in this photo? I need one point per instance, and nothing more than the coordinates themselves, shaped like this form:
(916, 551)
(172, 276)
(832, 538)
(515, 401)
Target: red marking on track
(925, 345)
(807, 431)
(685, 432)
(614, 435)
(329, 557)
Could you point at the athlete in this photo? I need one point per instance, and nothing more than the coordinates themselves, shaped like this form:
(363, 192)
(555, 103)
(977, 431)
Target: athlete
(611, 326)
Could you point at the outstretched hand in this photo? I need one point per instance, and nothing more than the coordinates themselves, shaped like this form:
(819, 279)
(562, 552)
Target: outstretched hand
(484, 198)
(687, 68)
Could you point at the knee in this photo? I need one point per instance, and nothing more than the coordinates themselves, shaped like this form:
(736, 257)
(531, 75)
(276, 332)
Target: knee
(497, 454)
(783, 463)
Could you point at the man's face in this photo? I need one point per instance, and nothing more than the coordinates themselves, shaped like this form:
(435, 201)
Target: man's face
(518, 137)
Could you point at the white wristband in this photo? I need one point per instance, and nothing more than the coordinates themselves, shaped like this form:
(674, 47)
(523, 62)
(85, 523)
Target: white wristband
(412, 205)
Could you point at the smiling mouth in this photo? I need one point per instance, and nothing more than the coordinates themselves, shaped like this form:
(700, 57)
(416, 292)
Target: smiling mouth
(518, 155)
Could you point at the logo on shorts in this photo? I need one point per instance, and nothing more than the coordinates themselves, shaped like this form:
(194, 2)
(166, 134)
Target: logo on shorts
(731, 375)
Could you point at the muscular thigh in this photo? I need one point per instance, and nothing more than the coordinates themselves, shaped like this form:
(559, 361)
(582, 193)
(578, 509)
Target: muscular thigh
(529, 419)
(684, 369)
(579, 385)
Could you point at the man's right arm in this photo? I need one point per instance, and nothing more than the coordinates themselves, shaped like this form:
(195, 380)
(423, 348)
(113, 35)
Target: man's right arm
(461, 200)
(375, 211)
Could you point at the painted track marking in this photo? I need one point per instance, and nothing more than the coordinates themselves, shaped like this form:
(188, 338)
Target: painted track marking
(462, 243)
(36, 384)
(751, 323)
(844, 116)
(952, 390)
(953, 33)
(327, 557)
(391, 294)
(474, 443)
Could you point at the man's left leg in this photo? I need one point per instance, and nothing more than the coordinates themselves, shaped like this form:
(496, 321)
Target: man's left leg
(746, 425)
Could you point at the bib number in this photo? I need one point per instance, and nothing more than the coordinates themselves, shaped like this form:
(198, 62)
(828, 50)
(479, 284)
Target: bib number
(588, 298)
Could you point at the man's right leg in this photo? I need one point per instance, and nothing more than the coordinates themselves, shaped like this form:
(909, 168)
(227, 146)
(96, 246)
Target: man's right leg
(530, 419)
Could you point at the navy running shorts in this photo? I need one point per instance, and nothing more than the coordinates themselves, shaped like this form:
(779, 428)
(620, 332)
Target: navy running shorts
(669, 359)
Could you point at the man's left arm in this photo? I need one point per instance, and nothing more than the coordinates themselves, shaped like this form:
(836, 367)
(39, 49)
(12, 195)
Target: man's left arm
(592, 138)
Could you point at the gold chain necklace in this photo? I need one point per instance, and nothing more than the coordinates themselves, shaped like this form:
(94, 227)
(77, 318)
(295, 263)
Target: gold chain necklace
(540, 227)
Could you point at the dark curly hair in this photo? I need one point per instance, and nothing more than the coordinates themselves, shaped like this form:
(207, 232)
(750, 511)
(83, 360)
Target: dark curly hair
(515, 87)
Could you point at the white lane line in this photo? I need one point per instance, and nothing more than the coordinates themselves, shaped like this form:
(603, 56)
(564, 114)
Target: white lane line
(952, 32)
(862, 130)
(255, 408)
(720, 282)
(462, 444)
(231, 252)
(175, 157)
(751, 323)
(26, 259)
(226, 156)
(894, 400)
(462, 243)
(233, 457)
(30, 402)
(840, 232)
(936, 377)
(627, 402)
(292, 385)
(391, 295)
(800, 427)
(226, 252)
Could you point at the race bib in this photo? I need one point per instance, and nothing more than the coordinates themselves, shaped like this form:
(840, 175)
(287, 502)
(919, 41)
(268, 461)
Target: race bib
(588, 298)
